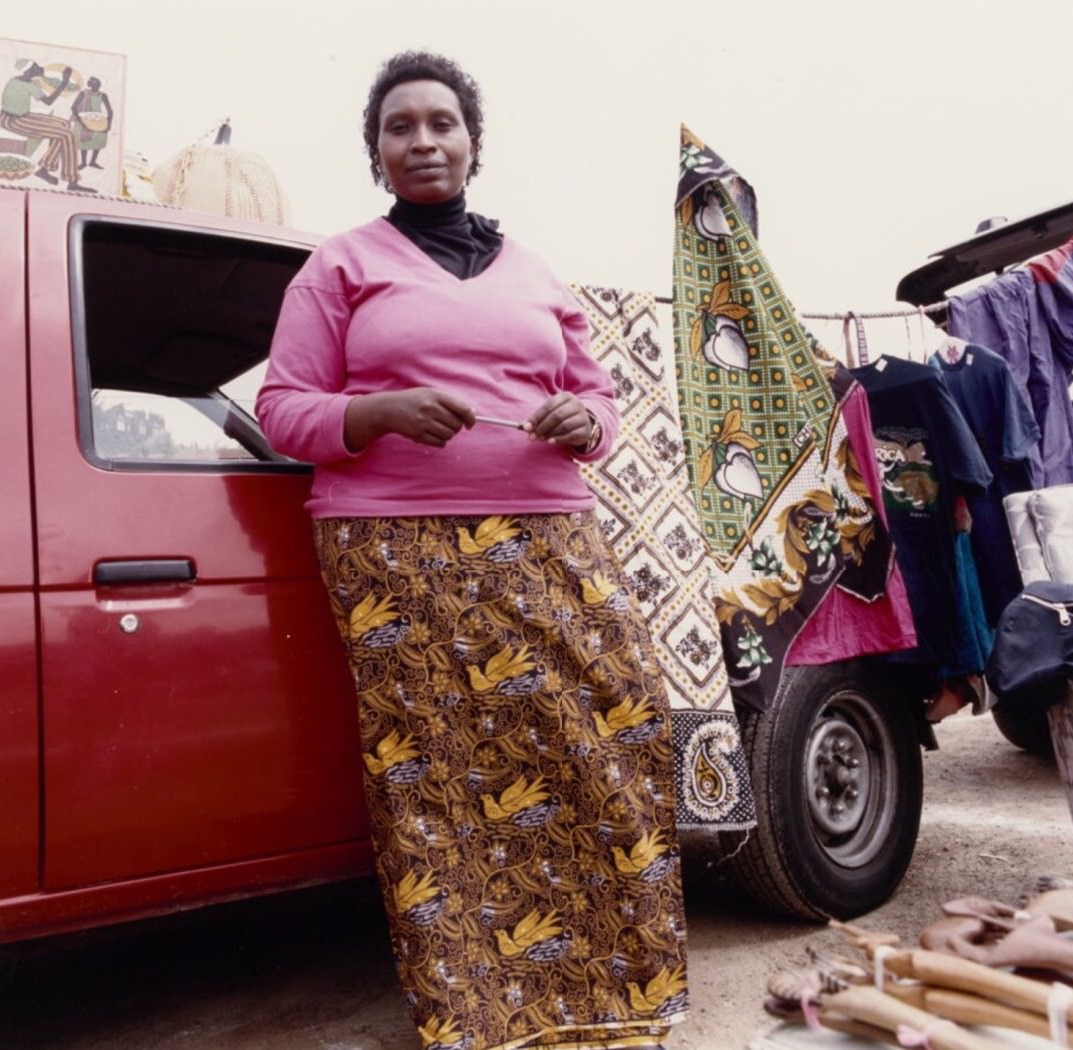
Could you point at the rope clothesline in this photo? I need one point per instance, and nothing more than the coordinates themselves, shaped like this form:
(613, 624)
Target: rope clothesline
(853, 333)
(913, 311)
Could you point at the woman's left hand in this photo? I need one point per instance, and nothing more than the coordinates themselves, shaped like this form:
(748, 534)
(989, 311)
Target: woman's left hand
(561, 420)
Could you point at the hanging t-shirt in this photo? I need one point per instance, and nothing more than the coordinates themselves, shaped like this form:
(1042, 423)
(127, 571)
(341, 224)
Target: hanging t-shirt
(1000, 417)
(927, 456)
(977, 636)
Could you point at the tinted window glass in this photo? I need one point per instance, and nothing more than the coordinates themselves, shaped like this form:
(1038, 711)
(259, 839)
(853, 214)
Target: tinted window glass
(173, 329)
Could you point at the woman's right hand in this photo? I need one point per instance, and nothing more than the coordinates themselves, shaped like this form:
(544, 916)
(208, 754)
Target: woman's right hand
(425, 415)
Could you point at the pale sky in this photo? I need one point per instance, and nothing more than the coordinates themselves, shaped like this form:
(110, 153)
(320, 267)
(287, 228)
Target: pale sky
(873, 132)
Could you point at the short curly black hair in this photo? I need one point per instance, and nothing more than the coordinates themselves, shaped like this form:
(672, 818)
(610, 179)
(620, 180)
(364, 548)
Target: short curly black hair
(423, 65)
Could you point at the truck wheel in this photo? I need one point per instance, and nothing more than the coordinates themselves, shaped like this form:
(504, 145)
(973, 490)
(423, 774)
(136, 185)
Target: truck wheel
(1024, 726)
(837, 781)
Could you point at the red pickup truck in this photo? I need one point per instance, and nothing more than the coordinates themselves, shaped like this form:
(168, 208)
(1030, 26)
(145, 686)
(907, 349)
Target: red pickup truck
(177, 724)
(177, 721)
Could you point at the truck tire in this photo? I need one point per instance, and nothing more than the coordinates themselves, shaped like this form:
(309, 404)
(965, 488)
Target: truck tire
(1024, 726)
(838, 785)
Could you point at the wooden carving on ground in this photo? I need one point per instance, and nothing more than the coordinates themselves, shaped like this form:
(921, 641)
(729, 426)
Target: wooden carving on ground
(983, 965)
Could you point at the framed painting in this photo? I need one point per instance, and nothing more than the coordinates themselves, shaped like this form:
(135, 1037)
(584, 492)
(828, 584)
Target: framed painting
(61, 116)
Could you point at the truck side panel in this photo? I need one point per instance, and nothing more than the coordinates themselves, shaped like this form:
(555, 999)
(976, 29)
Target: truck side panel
(19, 752)
(190, 720)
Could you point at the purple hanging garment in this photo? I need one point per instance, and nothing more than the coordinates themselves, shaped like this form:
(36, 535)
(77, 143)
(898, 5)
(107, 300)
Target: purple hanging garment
(1026, 316)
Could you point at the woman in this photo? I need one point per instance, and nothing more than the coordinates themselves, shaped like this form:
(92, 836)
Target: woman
(91, 114)
(516, 733)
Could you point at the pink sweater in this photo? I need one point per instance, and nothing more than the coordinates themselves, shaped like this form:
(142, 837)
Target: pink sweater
(371, 312)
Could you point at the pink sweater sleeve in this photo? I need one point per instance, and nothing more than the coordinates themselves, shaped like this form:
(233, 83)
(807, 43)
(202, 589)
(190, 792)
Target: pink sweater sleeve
(587, 379)
(301, 403)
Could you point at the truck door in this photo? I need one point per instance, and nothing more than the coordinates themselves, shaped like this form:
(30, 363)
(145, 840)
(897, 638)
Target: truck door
(197, 709)
(18, 641)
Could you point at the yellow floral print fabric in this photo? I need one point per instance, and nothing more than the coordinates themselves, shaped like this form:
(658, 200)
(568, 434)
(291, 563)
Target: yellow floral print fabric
(518, 777)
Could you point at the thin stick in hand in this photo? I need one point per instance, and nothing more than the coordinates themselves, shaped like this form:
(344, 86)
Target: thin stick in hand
(499, 422)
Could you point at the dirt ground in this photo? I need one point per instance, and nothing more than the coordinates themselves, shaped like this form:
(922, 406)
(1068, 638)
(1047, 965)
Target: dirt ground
(312, 971)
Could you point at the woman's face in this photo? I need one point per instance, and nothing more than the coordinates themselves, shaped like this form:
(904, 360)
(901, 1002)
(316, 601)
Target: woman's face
(424, 146)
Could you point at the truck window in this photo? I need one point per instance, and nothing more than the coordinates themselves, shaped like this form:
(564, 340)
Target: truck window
(171, 332)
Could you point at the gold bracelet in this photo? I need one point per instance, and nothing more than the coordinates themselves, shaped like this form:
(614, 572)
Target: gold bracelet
(595, 434)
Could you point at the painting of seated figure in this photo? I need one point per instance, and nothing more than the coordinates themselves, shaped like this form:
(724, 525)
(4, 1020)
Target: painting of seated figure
(61, 117)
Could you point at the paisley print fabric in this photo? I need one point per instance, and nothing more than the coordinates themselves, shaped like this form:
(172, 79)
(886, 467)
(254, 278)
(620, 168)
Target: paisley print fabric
(518, 776)
(649, 518)
(783, 506)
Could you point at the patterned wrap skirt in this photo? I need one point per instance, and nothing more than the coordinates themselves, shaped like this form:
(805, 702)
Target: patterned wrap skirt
(518, 776)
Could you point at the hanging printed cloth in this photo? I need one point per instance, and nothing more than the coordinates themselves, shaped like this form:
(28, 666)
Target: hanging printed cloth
(784, 509)
(649, 517)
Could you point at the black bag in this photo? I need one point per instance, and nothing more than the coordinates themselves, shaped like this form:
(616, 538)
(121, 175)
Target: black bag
(1034, 641)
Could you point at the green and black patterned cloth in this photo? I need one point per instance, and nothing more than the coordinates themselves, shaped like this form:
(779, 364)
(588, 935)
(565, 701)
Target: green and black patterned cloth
(784, 510)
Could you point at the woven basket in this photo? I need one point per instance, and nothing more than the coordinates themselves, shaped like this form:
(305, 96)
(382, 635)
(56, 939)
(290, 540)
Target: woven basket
(224, 180)
(12, 167)
(94, 121)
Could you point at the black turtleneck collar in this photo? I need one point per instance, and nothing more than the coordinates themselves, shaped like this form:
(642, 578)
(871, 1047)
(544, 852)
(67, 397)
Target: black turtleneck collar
(462, 242)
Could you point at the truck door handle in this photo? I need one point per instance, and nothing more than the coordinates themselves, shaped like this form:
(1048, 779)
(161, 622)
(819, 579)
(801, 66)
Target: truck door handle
(144, 570)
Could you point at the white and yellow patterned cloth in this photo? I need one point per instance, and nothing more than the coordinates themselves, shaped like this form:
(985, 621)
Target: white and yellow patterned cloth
(651, 521)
